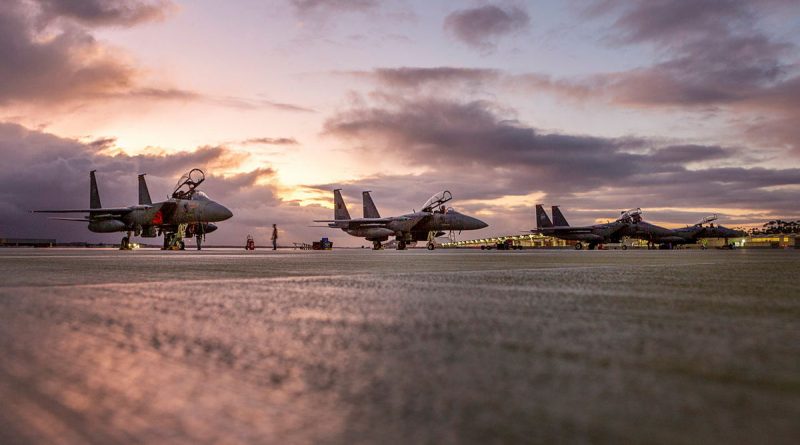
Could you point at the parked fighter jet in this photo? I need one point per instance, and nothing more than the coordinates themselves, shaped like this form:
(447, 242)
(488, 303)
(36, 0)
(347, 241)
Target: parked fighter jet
(593, 235)
(189, 212)
(667, 238)
(433, 220)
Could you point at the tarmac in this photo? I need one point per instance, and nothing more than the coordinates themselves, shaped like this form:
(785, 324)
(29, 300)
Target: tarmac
(356, 346)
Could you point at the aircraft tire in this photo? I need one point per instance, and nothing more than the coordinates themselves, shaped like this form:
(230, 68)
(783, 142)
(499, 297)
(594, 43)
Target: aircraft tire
(199, 243)
(430, 246)
(401, 245)
(624, 247)
(124, 244)
(182, 245)
(578, 246)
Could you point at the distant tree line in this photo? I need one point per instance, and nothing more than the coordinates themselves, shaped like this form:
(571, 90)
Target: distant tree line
(776, 227)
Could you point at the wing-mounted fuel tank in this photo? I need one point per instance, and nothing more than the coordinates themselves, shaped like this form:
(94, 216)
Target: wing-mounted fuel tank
(107, 226)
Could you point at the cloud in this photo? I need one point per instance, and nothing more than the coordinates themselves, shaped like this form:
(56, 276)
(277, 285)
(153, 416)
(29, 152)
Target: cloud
(44, 171)
(107, 12)
(63, 64)
(467, 143)
(269, 141)
(333, 6)
(480, 27)
(49, 54)
(416, 77)
(713, 56)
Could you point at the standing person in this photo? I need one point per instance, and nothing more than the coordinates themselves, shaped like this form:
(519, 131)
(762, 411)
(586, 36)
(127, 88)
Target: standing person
(274, 237)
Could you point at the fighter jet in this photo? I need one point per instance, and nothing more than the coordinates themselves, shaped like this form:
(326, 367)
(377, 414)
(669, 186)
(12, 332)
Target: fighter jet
(593, 235)
(188, 213)
(435, 219)
(668, 238)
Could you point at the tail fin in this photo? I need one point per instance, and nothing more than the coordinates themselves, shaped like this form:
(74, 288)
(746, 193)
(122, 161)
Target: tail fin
(542, 221)
(144, 194)
(94, 195)
(339, 208)
(558, 218)
(370, 211)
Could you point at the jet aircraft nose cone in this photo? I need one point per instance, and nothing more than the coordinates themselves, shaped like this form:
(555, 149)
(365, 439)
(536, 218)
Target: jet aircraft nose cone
(471, 223)
(217, 212)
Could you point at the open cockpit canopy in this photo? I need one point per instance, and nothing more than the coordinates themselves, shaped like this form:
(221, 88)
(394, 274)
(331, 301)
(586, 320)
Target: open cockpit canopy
(436, 201)
(185, 187)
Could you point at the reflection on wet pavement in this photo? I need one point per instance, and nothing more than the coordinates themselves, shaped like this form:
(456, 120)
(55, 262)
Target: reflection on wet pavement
(443, 347)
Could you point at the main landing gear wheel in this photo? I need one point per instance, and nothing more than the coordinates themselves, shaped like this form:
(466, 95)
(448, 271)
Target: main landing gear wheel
(199, 239)
(376, 245)
(430, 246)
(182, 245)
(624, 247)
(578, 246)
(401, 245)
(125, 244)
(592, 246)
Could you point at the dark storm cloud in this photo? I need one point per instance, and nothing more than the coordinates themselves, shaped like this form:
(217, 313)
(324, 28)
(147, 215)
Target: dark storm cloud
(465, 144)
(107, 12)
(480, 27)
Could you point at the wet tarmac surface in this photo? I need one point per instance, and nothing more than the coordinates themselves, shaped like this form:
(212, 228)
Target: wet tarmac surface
(102, 346)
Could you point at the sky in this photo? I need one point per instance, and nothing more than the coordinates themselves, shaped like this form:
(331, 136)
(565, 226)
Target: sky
(681, 108)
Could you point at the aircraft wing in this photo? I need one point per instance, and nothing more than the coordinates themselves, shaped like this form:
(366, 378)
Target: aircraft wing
(106, 210)
(358, 221)
(72, 219)
(570, 229)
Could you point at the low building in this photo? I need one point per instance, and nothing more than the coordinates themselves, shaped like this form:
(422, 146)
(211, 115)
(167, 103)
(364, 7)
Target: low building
(27, 242)
(774, 241)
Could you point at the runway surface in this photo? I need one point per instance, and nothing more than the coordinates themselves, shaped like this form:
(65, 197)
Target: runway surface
(227, 346)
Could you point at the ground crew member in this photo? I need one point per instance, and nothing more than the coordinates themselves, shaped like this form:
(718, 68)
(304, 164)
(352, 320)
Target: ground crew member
(274, 237)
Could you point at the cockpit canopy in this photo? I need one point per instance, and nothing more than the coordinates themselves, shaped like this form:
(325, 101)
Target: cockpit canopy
(185, 188)
(631, 216)
(436, 201)
(707, 219)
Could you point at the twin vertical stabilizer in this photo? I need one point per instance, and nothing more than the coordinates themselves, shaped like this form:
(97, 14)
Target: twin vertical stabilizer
(370, 211)
(94, 194)
(144, 194)
(558, 218)
(339, 208)
(542, 220)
